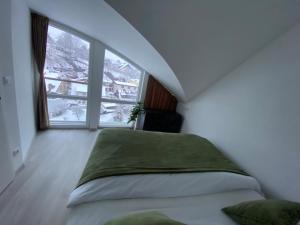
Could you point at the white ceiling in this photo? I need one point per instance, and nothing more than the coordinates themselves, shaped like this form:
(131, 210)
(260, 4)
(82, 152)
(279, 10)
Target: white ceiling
(186, 44)
(97, 19)
(203, 40)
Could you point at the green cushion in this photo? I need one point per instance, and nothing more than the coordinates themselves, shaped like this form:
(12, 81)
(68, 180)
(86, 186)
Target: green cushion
(265, 212)
(145, 218)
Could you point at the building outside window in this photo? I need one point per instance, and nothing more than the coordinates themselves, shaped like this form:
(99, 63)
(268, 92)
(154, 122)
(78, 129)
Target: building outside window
(120, 90)
(67, 74)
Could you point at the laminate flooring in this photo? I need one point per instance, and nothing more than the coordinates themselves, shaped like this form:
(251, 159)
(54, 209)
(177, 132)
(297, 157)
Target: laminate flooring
(39, 193)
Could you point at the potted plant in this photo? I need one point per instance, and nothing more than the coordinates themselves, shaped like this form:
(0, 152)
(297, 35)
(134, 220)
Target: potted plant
(135, 112)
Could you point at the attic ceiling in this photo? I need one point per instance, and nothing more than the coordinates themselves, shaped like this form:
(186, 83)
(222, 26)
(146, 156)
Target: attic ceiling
(186, 44)
(203, 40)
(98, 20)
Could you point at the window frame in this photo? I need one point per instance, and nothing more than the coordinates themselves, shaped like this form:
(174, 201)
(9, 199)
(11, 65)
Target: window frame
(117, 101)
(73, 124)
(95, 80)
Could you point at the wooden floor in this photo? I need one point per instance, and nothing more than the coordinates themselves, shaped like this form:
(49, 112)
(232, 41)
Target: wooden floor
(39, 193)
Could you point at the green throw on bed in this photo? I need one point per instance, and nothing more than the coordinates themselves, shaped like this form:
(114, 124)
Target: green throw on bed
(124, 152)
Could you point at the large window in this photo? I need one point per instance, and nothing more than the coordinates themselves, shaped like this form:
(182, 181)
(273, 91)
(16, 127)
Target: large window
(66, 77)
(120, 90)
(88, 90)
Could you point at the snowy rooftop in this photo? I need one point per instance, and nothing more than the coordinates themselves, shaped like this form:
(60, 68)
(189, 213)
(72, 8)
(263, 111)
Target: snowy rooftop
(126, 84)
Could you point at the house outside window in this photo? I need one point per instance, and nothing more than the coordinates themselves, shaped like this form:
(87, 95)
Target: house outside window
(71, 86)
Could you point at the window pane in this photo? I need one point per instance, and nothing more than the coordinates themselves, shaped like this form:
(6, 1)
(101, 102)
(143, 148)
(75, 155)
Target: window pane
(65, 88)
(67, 56)
(69, 110)
(121, 80)
(66, 73)
(114, 114)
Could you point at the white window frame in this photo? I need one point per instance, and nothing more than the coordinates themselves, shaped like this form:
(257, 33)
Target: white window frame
(74, 124)
(140, 88)
(94, 86)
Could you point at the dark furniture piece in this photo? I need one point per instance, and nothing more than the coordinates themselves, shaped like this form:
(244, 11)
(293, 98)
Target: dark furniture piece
(153, 120)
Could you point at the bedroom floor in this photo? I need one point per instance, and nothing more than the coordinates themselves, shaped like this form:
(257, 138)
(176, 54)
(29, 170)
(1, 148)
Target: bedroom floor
(39, 192)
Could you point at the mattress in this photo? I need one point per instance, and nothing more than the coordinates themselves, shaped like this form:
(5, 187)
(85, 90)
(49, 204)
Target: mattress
(161, 186)
(196, 210)
(191, 196)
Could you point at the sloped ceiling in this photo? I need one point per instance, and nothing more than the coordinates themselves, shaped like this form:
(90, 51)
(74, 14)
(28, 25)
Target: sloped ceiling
(98, 20)
(203, 40)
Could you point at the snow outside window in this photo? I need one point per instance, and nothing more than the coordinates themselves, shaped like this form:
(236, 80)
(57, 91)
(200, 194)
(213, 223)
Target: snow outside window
(66, 76)
(120, 90)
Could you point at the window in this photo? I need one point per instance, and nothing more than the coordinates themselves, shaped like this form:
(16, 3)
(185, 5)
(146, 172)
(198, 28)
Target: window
(66, 76)
(87, 85)
(120, 90)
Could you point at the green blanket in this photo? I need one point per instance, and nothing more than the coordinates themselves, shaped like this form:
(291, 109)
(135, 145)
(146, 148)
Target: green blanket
(123, 152)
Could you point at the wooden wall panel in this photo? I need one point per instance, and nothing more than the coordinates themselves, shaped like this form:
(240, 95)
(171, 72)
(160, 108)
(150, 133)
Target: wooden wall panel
(158, 97)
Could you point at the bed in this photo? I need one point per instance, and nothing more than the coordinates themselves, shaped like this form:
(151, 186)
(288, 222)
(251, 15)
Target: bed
(182, 176)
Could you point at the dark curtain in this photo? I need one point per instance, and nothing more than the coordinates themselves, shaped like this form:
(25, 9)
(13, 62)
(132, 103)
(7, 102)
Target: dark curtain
(158, 97)
(39, 30)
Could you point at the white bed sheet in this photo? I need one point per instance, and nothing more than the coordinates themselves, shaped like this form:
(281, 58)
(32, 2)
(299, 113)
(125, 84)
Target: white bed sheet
(161, 186)
(197, 210)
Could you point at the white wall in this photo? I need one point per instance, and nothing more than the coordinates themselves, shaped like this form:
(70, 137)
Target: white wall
(23, 72)
(253, 115)
(6, 165)
(8, 91)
